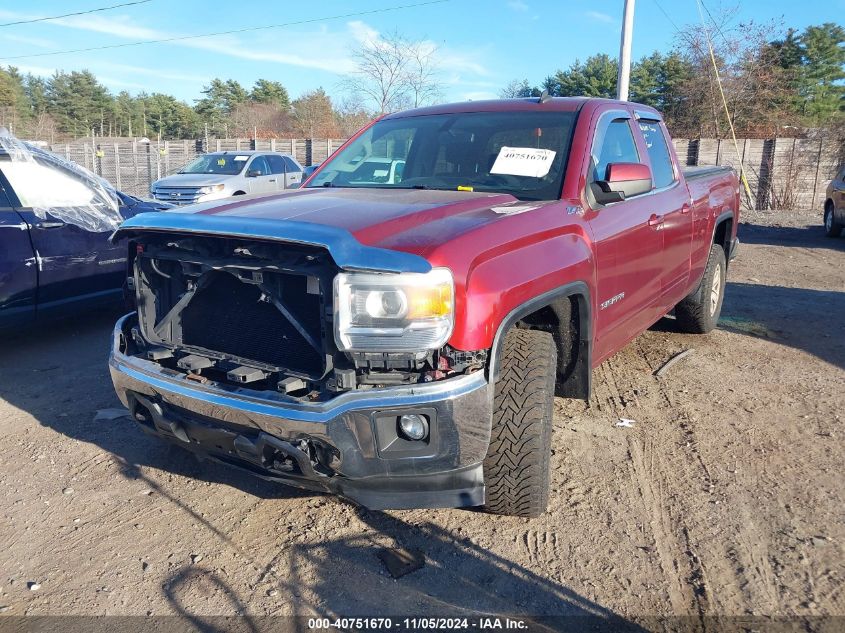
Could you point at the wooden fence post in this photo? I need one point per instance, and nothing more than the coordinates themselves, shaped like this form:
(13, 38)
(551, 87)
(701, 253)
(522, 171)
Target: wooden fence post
(818, 169)
(135, 164)
(117, 166)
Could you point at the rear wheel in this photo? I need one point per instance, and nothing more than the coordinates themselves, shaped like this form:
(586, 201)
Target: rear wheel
(832, 228)
(516, 469)
(698, 313)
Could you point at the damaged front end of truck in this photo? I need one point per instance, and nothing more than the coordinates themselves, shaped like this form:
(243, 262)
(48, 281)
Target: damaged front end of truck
(292, 350)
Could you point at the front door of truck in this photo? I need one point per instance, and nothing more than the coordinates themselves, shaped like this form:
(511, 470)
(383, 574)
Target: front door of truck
(674, 206)
(18, 272)
(628, 241)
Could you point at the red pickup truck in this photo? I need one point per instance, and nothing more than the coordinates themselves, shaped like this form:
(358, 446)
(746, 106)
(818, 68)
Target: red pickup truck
(396, 330)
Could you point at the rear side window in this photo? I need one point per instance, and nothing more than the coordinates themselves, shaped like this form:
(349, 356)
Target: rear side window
(291, 166)
(658, 154)
(617, 146)
(277, 165)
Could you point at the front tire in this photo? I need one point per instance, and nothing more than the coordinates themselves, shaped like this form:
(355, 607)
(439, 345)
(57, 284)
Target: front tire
(698, 312)
(832, 228)
(517, 466)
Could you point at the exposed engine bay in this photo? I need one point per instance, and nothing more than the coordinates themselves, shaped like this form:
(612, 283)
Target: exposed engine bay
(262, 315)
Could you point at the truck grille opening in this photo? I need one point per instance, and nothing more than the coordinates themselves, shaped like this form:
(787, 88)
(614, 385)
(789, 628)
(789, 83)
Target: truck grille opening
(236, 318)
(227, 305)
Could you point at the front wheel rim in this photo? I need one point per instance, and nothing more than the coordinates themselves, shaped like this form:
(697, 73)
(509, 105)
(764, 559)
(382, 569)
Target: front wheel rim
(828, 220)
(715, 290)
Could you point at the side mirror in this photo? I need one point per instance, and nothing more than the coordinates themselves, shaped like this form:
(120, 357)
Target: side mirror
(621, 181)
(252, 173)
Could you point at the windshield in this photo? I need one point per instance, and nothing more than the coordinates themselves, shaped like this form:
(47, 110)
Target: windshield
(520, 153)
(227, 164)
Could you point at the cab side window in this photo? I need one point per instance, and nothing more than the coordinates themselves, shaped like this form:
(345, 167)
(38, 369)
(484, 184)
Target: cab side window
(658, 154)
(617, 145)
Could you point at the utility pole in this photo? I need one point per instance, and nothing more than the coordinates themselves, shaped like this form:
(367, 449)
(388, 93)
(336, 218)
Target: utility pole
(624, 75)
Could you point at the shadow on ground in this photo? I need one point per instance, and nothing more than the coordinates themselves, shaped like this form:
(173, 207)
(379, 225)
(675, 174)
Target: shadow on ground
(810, 236)
(346, 580)
(798, 317)
(58, 374)
(803, 318)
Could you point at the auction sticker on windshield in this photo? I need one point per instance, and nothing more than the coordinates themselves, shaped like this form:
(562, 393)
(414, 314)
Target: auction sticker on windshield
(523, 161)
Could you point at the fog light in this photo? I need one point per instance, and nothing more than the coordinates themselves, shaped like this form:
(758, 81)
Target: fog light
(414, 427)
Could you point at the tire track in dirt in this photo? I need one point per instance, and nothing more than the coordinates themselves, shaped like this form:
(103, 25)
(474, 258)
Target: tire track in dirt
(654, 503)
(650, 484)
(745, 561)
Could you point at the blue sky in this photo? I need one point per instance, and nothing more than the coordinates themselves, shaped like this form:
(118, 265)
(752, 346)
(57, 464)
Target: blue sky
(482, 44)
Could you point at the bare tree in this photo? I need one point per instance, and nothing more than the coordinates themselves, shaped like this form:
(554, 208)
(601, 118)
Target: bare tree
(422, 74)
(393, 72)
(756, 87)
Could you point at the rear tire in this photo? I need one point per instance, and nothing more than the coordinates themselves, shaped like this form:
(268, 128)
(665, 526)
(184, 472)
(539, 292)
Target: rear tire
(698, 312)
(832, 228)
(516, 469)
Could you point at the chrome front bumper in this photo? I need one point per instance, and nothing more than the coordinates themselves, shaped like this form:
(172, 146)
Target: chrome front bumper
(239, 426)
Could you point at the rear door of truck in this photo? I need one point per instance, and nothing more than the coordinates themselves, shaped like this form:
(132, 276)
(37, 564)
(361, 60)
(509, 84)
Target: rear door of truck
(671, 203)
(18, 270)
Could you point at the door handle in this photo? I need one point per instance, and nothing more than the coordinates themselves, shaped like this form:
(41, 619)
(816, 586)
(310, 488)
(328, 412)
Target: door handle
(272, 180)
(655, 220)
(47, 224)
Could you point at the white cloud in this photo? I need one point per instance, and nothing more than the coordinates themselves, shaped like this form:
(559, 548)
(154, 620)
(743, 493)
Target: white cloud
(518, 5)
(31, 41)
(361, 32)
(320, 42)
(327, 49)
(42, 71)
(151, 72)
(600, 17)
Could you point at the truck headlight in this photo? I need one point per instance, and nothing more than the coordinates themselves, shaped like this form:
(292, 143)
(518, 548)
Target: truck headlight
(407, 312)
(211, 189)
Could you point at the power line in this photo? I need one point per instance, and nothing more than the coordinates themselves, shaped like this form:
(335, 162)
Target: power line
(67, 15)
(231, 32)
(715, 24)
(663, 11)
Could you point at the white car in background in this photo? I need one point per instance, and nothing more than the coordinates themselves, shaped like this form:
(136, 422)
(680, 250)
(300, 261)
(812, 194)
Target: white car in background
(223, 174)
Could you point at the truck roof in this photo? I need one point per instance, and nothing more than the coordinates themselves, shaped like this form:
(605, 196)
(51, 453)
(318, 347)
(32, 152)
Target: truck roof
(559, 104)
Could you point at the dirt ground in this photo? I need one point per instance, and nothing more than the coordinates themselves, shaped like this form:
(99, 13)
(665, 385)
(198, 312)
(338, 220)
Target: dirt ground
(726, 496)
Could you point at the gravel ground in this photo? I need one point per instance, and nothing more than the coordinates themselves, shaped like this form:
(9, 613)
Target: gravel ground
(725, 497)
